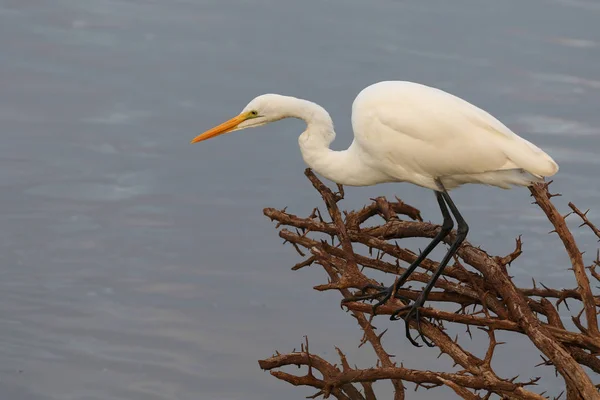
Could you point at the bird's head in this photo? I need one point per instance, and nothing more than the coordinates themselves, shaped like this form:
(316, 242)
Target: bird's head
(260, 111)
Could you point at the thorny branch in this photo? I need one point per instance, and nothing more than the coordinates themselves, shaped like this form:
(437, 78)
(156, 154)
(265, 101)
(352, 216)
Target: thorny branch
(476, 281)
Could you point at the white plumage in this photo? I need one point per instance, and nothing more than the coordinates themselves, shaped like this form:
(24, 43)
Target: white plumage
(417, 134)
(407, 132)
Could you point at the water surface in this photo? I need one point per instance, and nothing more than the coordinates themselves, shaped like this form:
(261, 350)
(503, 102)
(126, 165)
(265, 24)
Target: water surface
(136, 266)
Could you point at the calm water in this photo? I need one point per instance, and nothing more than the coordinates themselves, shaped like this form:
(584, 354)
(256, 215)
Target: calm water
(136, 266)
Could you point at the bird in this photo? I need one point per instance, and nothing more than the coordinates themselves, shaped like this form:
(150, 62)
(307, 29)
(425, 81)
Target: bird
(407, 132)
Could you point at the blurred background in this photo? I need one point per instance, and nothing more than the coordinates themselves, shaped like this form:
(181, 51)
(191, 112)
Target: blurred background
(136, 266)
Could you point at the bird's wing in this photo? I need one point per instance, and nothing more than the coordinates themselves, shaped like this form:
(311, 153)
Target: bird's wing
(434, 133)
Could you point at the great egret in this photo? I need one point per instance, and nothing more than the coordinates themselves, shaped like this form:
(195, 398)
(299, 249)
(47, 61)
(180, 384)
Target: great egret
(407, 132)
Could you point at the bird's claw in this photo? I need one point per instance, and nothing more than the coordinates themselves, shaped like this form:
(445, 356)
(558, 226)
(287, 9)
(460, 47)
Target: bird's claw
(386, 292)
(364, 295)
(381, 291)
(413, 312)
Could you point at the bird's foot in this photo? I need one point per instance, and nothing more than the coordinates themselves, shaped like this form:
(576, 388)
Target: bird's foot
(383, 293)
(413, 313)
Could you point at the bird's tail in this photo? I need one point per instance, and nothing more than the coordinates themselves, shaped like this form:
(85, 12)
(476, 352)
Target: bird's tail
(504, 178)
(531, 158)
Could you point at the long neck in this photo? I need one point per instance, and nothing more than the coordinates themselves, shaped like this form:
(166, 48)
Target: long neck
(344, 167)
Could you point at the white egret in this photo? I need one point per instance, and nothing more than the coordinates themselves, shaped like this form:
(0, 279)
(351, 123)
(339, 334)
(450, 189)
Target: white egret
(407, 132)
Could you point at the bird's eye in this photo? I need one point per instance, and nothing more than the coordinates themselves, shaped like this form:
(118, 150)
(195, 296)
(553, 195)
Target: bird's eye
(254, 113)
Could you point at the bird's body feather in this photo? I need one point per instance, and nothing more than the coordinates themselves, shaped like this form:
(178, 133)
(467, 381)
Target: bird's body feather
(419, 134)
(407, 132)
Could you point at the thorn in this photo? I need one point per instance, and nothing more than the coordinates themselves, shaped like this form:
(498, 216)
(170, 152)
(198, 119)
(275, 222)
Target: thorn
(381, 334)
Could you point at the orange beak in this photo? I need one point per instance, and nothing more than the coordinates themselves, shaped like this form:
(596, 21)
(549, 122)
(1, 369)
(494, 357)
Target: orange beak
(225, 127)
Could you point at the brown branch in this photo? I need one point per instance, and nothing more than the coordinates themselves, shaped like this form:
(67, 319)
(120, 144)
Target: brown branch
(542, 197)
(406, 374)
(355, 218)
(592, 269)
(460, 356)
(507, 260)
(477, 283)
(397, 252)
(349, 271)
(365, 324)
(459, 390)
(579, 354)
(561, 335)
(584, 218)
(520, 312)
(327, 370)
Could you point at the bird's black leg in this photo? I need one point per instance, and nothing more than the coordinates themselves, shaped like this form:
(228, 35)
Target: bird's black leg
(461, 234)
(388, 292)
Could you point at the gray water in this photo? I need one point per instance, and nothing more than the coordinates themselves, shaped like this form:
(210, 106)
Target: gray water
(136, 266)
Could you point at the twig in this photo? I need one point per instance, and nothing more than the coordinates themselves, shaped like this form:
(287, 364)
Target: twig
(542, 197)
(486, 298)
(584, 218)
